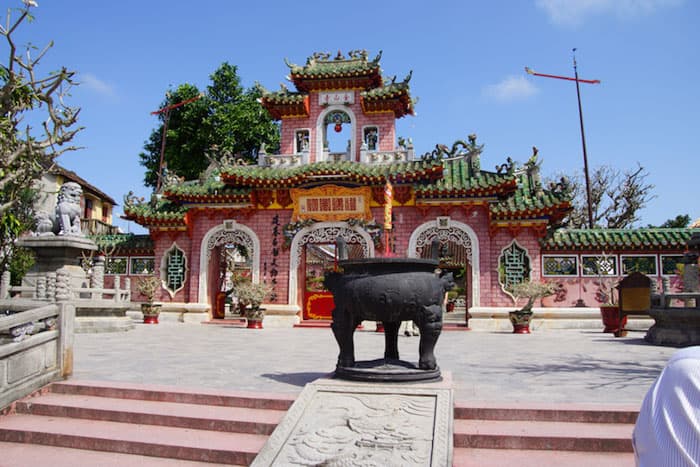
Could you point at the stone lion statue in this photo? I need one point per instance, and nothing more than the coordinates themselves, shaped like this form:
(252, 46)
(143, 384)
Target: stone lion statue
(68, 209)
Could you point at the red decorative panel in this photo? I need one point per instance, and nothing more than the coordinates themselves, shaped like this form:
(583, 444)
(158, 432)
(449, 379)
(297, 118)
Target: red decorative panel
(284, 198)
(402, 193)
(263, 197)
(318, 305)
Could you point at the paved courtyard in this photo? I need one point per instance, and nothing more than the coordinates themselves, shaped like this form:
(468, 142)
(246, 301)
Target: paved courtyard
(545, 366)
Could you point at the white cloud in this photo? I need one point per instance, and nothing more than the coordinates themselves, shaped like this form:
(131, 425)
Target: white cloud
(92, 82)
(576, 12)
(510, 89)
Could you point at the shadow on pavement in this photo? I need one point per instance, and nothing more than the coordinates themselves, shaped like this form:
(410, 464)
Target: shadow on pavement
(297, 379)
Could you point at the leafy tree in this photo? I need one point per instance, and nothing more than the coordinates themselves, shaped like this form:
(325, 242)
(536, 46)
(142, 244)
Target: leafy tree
(616, 197)
(26, 97)
(227, 119)
(679, 222)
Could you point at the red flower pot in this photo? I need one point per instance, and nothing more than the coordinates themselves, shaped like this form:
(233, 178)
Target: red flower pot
(611, 318)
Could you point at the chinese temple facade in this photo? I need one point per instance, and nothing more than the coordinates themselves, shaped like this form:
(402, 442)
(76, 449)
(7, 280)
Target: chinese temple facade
(276, 221)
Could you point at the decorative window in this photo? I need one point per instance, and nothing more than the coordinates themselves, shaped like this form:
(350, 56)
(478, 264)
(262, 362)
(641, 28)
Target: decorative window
(116, 265)
(557, 266)
(671, 264)
(598, 265)
(370, 136)
(513, 267)
(145, 265)
(301, 141)
(646, 264)
(173, 269)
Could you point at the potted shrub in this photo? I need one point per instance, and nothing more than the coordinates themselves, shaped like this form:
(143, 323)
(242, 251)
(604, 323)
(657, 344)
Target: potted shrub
(532, 290)
(251, 295)
(148, 286)
(606, 294)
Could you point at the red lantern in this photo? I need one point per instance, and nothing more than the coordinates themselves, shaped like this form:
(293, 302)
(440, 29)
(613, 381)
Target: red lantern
(338, 127)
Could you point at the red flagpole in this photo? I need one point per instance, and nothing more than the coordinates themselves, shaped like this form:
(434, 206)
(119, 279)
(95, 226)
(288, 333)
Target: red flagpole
(583, 134)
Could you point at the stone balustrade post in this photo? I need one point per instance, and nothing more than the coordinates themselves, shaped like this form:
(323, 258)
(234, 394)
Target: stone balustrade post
(63, 290)
(66, 337)
(5, 285)
(117, 292)
(97, 281)
(127, 288)
(41, 288)
(51, 286)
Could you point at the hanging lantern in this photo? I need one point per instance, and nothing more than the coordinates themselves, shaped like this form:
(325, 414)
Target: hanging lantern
(338, 123)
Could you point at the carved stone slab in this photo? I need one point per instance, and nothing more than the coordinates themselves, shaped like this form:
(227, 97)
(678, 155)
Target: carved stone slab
(341, 423)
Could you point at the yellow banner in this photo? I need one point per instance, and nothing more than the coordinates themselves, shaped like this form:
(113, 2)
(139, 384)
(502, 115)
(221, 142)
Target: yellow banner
(331, 203)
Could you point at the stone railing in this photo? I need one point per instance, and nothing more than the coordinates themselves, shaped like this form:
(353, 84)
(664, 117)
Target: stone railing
(366, 157)
(386, 157)
(36, 346)
(55, 285)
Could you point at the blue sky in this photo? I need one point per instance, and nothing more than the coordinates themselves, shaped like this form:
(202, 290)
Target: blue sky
(467, 58)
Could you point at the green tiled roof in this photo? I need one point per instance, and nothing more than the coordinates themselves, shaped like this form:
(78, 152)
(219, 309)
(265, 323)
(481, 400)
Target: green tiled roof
(618, 239)
(323, 66)
(289, 177)
(388, 91)
(211, 191)
(164, 213)
(124, 242)
(284, 97)
(461, 179)
(528, 205)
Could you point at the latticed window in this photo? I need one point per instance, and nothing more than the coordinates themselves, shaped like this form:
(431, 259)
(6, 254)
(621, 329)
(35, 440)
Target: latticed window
(146, 265)
(174, 268)
(513, 266)
(671, 264)
(646, 264)
(557, 266)
(116, 265)
(605, 265)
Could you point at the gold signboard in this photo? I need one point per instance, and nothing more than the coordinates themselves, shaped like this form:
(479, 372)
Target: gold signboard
(331, 203)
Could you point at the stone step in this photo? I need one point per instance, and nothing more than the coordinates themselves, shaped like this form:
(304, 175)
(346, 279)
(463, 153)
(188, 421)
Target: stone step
(199, 396)
(173, 414)
(561, 436)
(132, 438)
(19, 455)
(471, 457)
(587, 413)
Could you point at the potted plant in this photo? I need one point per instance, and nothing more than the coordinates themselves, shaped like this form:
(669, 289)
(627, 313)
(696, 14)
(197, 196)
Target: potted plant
(451, 300)
(532, 290)
(148, 286)
(251, 295)
(603, 267)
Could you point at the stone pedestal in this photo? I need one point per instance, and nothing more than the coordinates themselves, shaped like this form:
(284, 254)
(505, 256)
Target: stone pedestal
(335, 422)
(56, 252)
(677, 327)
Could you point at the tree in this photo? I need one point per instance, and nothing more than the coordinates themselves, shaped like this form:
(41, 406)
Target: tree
(26, 152)
(679, 222)
(227, 120)
(26, 97)
(616, 197)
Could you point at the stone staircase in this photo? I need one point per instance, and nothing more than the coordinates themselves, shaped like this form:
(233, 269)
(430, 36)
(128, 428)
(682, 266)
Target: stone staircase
(116, 424)
(529, 435)
(112, 422)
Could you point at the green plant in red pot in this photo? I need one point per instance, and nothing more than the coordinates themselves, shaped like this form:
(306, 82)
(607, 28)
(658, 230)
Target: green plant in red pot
(148, 287)
(251, 295)
(532, 290)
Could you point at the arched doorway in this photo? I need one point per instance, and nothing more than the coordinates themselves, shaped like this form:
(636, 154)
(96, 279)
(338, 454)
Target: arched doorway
(312, 253)
(332, 144)
(459, 253)
(228, 252)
